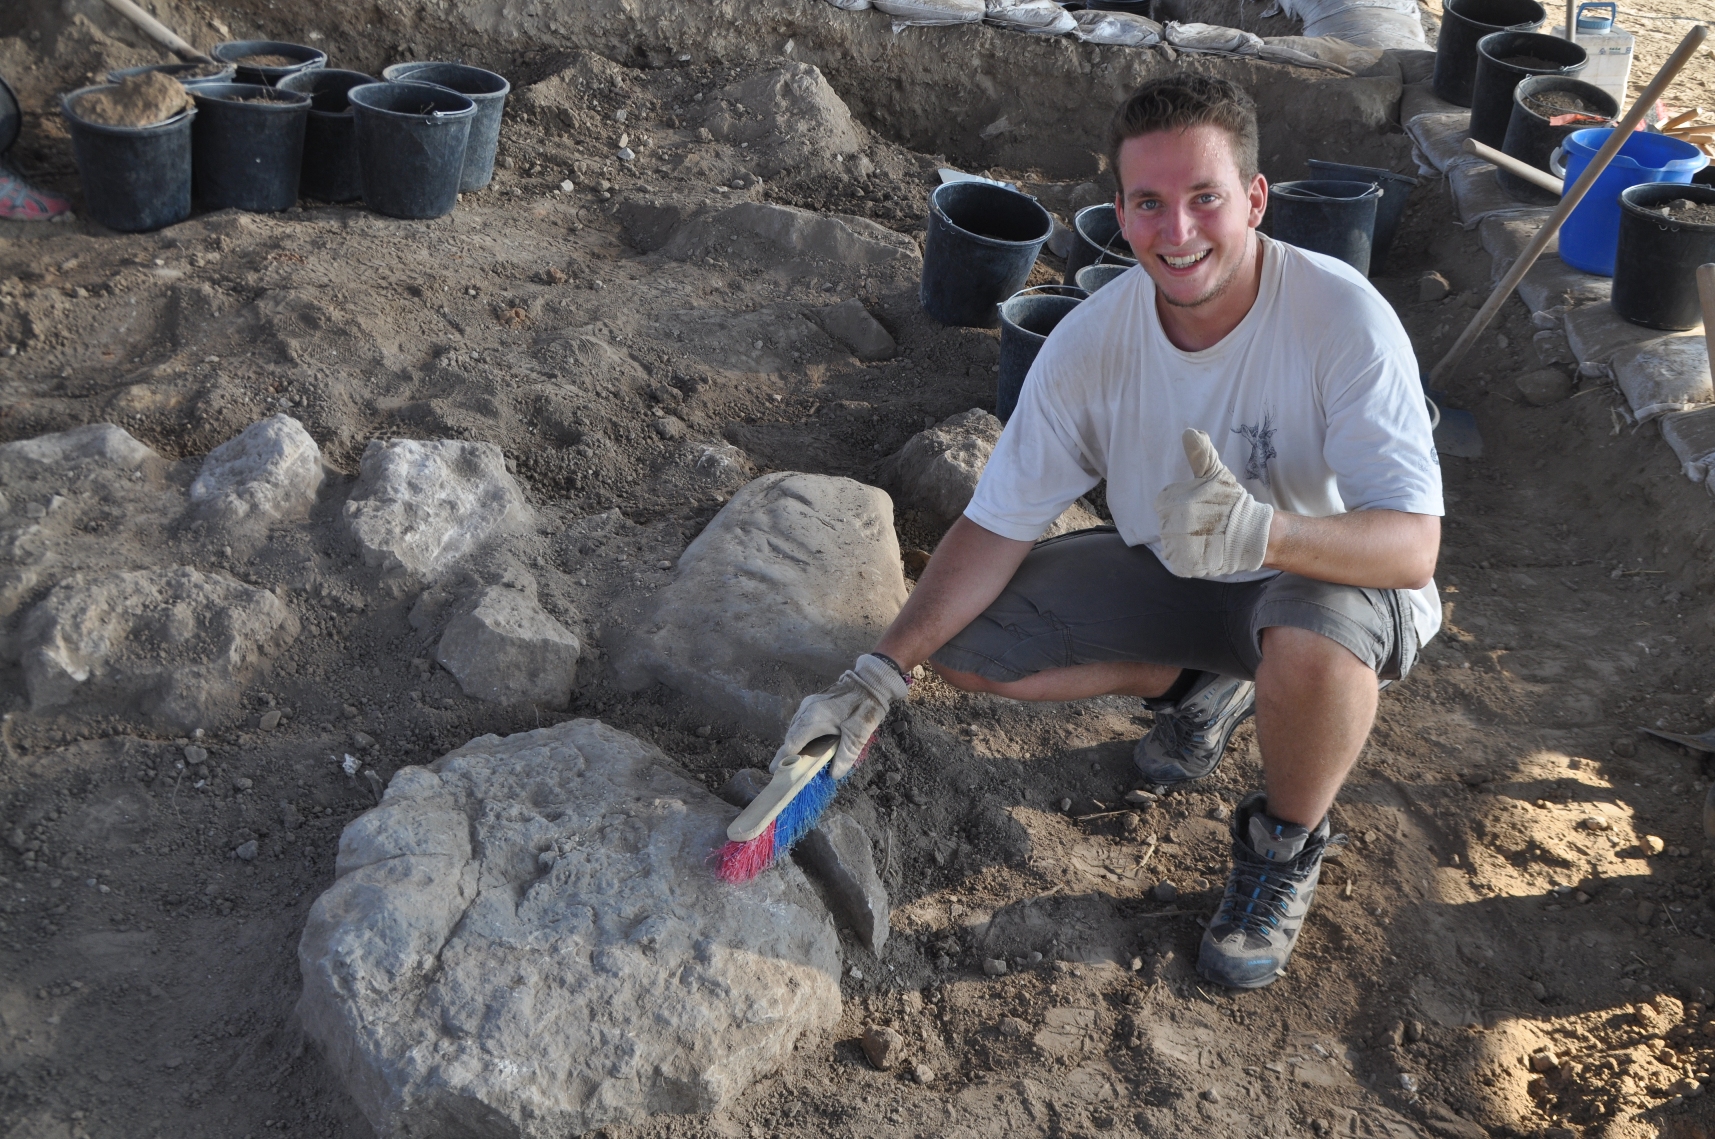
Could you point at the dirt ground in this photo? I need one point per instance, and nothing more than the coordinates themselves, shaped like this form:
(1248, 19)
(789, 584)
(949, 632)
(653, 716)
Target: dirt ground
(1525, 872)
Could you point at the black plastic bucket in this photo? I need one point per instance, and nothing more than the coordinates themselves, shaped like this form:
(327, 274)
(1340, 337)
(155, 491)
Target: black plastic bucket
(410, 146)
(188, 74)
(135, 179)
(1463, 23)
(1656, 260)
(1531, 138)
(1093, 277)
(235, 52)
(329, 172)
(247, 145)
(1390, 211)
(11, 117)
(1026, 319)
(1329, 216)
(484, 88)
(1492, 93)
(981, 244)
(1096, 240)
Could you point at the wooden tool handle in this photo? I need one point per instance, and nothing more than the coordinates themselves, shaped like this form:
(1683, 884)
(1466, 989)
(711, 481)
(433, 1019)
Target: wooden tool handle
(1706, 294)
(789, 779)
(158, 31)
(1513, 166)
(1569, 202)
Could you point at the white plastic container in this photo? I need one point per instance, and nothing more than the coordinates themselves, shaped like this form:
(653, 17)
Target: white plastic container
(1609, 45)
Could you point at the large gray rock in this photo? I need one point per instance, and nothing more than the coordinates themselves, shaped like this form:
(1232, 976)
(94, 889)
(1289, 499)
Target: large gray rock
(770, 229)
(266, 474)
(792, 581)
(525, 939)
(176, 644)
(98, 443)
(418, 508)
(506, 648)
(937, 471)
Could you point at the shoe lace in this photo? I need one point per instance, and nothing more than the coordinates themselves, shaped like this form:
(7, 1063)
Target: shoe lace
(1259, 891)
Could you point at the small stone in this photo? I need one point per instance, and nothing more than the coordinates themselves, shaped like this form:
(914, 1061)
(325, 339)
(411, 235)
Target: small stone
(884, 1047)
(1012, 1027)
(1685, 1086)
(1164, 891)
(995, 966)
(1645, 911)
(924, 1074)
(1596, 823)
(270, 720)
(855, 973)
(620, 115)
(626, 154)
(1141, 798)
(670, 428)
(1544, 1061)
(1407, 1081)
(246, 851)
(1544, 386)
(1065, 804)
(241, 783)
(567, 186)
(196, 756)
(1539, 990)
(1625, 747)
(1413, 1031)
(1033, 957)
(349, 711)
(1211, 1095)
(1654, 844)
(1220, 814)
(1432, 286)
(1544, 320)
(363, 739)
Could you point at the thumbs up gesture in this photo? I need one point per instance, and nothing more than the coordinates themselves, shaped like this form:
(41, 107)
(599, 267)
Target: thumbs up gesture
(1210, 525)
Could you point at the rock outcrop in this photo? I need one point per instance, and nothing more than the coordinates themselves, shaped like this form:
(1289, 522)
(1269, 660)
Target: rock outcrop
(524, 939)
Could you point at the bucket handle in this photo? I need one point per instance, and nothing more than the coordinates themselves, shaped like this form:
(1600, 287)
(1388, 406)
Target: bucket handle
(1610, 5)
(1072, 291)
(1108, 250)
(1557, 163)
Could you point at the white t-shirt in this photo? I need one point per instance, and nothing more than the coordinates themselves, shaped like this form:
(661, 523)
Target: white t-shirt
(1313, 402)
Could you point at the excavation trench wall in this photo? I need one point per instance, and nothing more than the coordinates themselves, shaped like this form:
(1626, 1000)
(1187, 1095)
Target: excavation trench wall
(978, 95)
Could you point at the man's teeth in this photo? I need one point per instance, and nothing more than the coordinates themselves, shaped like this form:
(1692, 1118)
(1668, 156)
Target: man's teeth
(1184, 262)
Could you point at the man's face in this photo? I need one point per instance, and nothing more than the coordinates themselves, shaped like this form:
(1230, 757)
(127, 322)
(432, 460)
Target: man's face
(1187, 212)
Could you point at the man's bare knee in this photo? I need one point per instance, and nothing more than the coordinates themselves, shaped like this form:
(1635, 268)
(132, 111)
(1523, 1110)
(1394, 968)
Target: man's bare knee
(1300, 655)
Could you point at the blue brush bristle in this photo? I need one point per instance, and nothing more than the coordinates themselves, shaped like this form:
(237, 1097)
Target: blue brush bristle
(802, 812)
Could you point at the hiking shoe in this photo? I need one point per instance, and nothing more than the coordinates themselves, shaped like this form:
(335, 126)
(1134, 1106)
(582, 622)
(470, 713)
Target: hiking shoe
(1191, 733)
(1269, 889)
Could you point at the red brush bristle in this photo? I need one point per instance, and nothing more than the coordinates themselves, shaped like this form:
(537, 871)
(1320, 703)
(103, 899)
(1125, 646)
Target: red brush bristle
(741, 861)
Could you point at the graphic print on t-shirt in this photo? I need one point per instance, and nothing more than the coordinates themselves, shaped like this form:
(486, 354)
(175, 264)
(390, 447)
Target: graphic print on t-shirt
(1261, 439)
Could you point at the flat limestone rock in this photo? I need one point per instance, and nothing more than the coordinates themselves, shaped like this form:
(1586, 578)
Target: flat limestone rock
(96, 444)
(829, 237)
(851, 324)
(1665, 374)
(419, 507)
(506, 648)
(937, 470)
(793, 580)
(176, 644)
(267, 473)
(525, 939)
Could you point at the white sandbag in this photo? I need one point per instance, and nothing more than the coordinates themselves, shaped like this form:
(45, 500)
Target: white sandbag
(851, 5)
(1033, 17)
(1668, 374)
(1691, 434)
(1438, 142)
(1212, 39)
(931, 13)
(1294, 57)
(1357, 60)
(1116, 29)
(1367, 23)
(1478, 197)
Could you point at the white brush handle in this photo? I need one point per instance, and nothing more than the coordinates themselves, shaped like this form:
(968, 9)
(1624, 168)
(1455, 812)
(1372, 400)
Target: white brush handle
(789, 779)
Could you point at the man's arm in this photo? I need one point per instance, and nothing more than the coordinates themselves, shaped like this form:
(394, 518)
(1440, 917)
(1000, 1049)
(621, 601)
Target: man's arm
(1377, 549)
(970, 568)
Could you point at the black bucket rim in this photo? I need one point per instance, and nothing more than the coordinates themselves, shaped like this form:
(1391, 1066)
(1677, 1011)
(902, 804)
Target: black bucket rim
(1285, 189)
(1702, 194)
(1031, 294)
(270, 104)
(360, 79)
(170, 69)
(411, 77)
(1451, 8)
(224, 51)
(72, 116)
(980, 187)
(1405, 180)
(1484, 53)
(434, 90)
(1540, 81)
(1106, 250)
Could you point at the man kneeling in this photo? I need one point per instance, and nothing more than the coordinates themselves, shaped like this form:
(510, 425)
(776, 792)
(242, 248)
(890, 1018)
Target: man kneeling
(1256, 412)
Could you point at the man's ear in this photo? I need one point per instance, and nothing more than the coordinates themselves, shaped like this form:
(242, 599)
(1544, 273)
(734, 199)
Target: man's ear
(1258, 195)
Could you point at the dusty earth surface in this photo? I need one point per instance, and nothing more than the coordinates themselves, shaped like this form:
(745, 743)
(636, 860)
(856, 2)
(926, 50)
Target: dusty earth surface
(1515, 941)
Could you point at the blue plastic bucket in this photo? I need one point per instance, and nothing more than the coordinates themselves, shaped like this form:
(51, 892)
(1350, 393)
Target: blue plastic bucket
(1588, 238)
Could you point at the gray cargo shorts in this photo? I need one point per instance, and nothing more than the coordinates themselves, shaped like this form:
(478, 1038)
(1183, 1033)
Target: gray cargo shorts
(1087, 598)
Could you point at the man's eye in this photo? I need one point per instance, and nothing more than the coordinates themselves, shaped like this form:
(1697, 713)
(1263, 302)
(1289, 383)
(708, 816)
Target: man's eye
(1208, 199)
(1149, 204)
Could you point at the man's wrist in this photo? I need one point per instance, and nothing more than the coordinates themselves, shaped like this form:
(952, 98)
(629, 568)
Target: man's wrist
(894, 665)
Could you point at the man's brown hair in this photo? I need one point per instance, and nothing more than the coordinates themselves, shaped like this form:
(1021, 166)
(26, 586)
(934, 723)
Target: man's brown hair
(1180, 102)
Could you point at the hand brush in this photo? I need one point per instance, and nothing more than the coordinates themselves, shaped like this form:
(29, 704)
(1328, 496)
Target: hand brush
(782, 814)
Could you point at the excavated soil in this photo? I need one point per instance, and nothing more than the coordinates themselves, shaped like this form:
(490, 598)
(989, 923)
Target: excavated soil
(1685, 210)
(1525, 873)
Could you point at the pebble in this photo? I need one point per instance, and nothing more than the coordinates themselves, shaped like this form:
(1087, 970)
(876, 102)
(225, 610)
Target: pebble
(1033, 957)
(626, 154)
(1164, 892)
(883, 1046)
(241, 783)
(1220, 814)
(196, 756)
(924, 1074)
(1141, 798)
(1013, 1027)
(363, 739)
(995, 966)
(568, 186)
(1624, 747)
(1413, 1031)
(1596, 823)
(1654, 844)
(270, 720)
(619, 116)
(1211, 1095)
(1432, 286)
(246, 851)
(1544, 1061)
(1408, 1081)
(1065, 804)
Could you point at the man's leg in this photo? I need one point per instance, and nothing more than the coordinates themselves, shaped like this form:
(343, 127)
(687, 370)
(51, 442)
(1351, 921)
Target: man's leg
(1315, 704)
(1074, 682)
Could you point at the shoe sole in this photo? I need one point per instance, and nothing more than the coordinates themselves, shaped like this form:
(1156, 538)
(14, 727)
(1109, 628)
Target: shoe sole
(1219, 756)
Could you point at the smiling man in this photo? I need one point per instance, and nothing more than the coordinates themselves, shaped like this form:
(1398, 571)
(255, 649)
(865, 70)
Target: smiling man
(1276, 497)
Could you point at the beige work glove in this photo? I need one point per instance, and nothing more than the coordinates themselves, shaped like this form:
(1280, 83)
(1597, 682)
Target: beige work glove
(1210, 525)
(852, 709)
